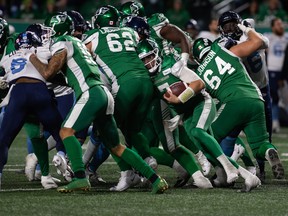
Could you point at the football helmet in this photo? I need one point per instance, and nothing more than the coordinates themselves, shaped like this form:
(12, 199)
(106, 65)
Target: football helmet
(201, 47)
(106, 16)
(26, 40)
(132, 8)
(139, 24)
(4, 32)
(227, 25)
(61, 23)
(78, 20)
(43, 32)
(148, 49)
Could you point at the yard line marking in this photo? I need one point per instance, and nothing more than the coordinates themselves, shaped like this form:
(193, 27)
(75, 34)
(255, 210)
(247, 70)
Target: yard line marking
(21, 189)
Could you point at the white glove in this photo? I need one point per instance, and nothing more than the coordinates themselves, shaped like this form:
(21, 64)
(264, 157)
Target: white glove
(25, 53)
(3, 83)
(244, 29)
(250, 21)
(184, 58)
(43, 54)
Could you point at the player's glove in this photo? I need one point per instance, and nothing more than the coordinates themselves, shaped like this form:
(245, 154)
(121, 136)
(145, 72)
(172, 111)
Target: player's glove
(244, 29)
(184, 58)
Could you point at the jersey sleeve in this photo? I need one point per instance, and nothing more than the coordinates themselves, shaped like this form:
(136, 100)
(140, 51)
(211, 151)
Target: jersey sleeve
(91, 36)
(157, 22)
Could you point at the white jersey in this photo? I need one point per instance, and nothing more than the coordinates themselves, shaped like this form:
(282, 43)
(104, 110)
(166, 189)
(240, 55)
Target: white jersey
(256, 66)
(16, 66)
(209, 35)
(276, 51)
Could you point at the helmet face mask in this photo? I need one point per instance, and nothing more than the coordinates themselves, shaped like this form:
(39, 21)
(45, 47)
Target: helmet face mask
(43, 32)
(148, 52)
(227, 25)
(107, 16)
(61, 23)
(200, 49)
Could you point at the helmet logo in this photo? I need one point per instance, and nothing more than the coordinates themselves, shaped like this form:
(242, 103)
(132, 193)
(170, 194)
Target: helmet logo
(102, 11)
(134, 8)
(58, 19)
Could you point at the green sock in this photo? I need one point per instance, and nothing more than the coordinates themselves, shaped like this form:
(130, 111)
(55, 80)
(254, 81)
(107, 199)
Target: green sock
(186, 141)
(185, 159)
(74, 152)
(138, 163)
(161, 156)
(40, 147)
(208, 142)
(123, 165)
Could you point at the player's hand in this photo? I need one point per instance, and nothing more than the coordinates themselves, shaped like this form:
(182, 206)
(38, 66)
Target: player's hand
(171, 98)
(3, 83)
(244, 29)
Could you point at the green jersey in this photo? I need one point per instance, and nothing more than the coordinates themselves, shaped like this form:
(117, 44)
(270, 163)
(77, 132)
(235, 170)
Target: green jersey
(164, 78)
(115, 53)
(225, 76)
(81, 71)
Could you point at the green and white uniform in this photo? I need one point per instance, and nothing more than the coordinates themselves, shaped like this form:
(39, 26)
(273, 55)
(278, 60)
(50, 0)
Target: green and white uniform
(242, 105)
(115, 53)
(198, 114)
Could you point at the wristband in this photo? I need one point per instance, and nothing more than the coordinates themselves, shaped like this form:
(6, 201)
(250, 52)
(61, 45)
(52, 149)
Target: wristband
(186, 95)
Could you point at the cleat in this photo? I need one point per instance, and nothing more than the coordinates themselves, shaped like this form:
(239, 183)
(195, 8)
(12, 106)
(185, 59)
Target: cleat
(48, 182)
(238, 152)
(203, 161)
(30, 166)
(128, 179)
(273, 158)
(76, 184)
(221, 178)
(232, 177)
(38, 175)
(94, 176)
(183, 177)
(60, 163)
(159, 186)
(202, 182)
(251, 182)
(68, 175)
(151, 161)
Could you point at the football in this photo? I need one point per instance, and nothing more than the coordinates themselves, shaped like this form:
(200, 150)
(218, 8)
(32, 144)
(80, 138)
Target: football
(178, 87)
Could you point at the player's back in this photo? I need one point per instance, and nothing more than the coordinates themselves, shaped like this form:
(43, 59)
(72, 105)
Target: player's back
(115, 50)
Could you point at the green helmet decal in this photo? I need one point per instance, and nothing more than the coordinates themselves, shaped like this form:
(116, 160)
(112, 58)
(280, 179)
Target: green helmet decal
(133, 8)
(201, 47)
(106, 16)
(61, 23)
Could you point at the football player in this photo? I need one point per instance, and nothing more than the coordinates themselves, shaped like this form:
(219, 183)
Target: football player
(94, 103)
(227, 80)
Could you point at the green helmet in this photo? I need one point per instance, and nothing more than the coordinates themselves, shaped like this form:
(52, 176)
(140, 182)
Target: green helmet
(145, 49)
(201, 47)
(106, 16)
(4, 32)
(61, 23)
(132, 8)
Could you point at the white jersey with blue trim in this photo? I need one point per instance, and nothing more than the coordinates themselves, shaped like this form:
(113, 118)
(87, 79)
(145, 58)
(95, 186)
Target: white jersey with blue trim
(256, 66)
(17, 66)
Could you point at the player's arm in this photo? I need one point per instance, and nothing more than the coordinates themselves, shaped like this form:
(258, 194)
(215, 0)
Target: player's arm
(89, 47)
(193, 88)
(174, 34)
(55, 64)
(254, 42)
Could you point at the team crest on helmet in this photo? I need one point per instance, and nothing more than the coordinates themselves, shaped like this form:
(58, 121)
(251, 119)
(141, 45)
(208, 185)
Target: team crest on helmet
(101, 11)
(58, 19)
(134, 7)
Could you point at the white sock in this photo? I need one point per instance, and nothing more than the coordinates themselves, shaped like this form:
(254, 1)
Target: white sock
(197, 174)
(244, 173)
(227, 165)
(89, 153)
(51, 143)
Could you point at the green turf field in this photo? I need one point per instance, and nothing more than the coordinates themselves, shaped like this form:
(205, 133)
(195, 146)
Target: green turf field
(20, 197)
